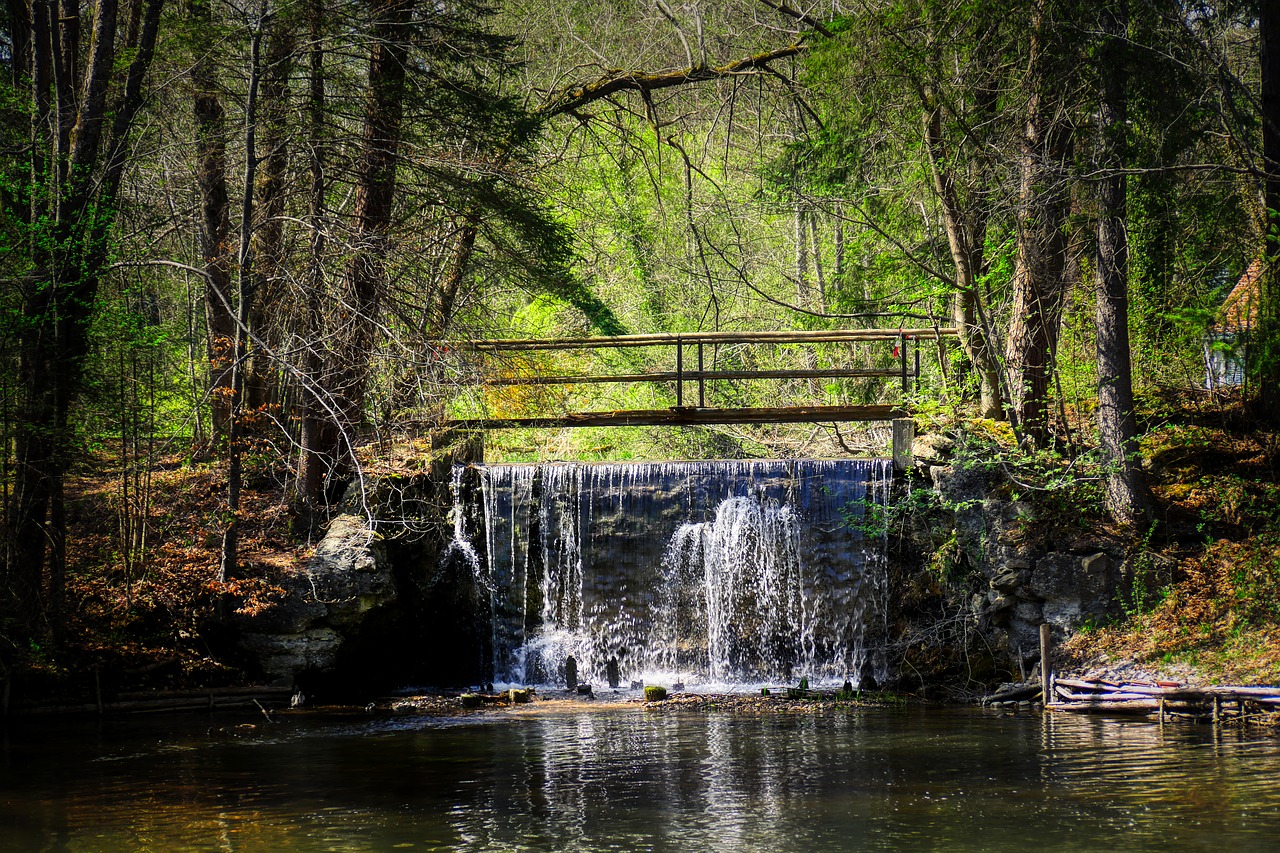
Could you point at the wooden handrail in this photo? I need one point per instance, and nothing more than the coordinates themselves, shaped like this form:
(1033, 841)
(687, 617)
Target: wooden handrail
(667, 338)
(698, 375)
(689, 416)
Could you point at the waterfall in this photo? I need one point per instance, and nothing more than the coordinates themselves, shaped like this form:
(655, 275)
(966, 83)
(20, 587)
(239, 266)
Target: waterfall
(705, 572)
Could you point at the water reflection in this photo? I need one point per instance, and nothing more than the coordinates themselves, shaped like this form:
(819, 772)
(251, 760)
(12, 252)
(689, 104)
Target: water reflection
(634, 780)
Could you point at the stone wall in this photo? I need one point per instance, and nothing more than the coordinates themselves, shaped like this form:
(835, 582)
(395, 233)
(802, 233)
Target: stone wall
(995, 565)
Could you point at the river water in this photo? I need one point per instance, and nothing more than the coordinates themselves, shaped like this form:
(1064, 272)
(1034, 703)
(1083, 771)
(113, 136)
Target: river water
(623, 778)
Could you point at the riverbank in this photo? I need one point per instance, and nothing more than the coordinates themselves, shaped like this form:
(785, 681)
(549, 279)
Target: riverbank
(1201, 598)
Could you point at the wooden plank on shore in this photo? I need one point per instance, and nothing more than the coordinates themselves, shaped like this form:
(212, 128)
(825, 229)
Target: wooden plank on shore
(1198, 693)
(1183, 701)
(1267, 691)
(1079, 684)
(1071, 696)
(1100, 701)
(688, 416)
(1141, 706)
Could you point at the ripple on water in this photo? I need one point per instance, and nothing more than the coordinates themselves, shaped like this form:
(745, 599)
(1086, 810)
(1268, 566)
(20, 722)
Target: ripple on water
(624, 779)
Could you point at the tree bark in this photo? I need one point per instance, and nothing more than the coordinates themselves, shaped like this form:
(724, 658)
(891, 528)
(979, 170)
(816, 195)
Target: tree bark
(244, 301)
(314, 415)
(214, 232)
(1044, 203)
(1127, 494)
(328, 446)
(268, 317)
(1264, 346)
(966, 235)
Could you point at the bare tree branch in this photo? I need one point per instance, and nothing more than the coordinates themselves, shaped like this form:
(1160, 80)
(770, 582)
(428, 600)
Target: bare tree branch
(617, 81)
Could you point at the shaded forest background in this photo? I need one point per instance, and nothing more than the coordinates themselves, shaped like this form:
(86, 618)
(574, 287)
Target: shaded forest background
(237, 240)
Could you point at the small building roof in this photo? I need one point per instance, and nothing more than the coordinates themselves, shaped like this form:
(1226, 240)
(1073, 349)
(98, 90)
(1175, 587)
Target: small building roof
(1239, 312)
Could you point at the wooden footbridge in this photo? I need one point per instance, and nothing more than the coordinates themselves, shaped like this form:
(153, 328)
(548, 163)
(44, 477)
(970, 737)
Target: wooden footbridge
(691, 376)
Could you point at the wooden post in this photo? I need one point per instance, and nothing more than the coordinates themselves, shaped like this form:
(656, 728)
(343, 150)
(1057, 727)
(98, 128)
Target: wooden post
(904, 435)
(1217, 709)
(679, 374)
(902, 353)
(1046, 647)
(702, 381)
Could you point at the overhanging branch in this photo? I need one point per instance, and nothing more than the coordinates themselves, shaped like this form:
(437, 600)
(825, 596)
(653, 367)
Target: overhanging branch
(803, 17)
(614, 82)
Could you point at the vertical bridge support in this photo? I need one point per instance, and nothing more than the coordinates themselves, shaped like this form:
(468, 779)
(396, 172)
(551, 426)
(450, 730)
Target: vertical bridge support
(904, 435)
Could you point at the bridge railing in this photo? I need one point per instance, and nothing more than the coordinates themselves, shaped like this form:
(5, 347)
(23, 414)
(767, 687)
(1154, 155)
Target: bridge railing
(691, 367)
(907, 369)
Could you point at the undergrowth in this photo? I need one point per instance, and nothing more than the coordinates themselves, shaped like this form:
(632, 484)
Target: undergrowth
(1202, 586)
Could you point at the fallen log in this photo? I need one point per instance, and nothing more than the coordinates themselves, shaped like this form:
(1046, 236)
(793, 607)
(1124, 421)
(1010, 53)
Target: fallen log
(1016, 694)
(1071, 696)
(1079, 684)
(1113, 706)
(1148, 689)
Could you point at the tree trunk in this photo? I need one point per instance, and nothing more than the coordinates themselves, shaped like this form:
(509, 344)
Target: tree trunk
(1044, 202)
(1264, 346)
(214, 232)
(819, 271)
(800, 222)
(244, 302)
(1117, 428)
(270, 314)
(966, 236)
(330, 443)
(311, 473)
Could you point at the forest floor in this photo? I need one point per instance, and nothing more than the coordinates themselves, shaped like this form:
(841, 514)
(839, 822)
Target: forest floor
(1202, 604)
(1202, 599)
(144, 598)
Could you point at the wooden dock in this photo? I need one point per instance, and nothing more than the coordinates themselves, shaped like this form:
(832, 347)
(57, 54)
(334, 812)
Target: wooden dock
(1165, 700)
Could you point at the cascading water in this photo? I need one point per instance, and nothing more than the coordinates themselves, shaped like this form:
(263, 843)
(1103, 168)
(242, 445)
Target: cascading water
(706, 572)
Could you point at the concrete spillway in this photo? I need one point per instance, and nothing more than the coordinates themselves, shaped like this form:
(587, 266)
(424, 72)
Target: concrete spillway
(705, 572)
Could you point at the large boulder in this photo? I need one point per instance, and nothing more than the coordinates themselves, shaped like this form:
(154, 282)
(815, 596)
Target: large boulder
(342, 587)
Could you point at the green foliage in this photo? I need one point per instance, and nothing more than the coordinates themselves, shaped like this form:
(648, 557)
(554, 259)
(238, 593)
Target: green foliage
(1148, 580)
(1255, 579)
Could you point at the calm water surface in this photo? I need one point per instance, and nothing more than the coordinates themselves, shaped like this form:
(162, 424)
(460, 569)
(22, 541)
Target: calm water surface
(627, 779)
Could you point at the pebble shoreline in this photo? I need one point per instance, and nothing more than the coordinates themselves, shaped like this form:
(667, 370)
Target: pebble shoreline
(452, 705)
